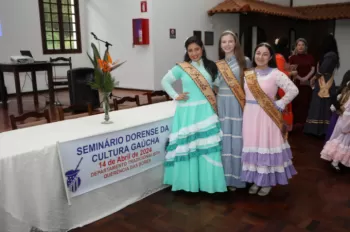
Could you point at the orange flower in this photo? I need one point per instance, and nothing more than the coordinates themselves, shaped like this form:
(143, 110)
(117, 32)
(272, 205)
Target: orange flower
(109, 65)
(109, 58)
(104, 65)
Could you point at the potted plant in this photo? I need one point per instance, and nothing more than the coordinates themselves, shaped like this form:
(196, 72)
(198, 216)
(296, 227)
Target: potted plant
(103, 80)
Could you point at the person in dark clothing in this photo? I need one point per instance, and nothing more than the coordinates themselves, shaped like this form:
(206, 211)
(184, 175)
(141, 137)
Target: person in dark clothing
(323, 89)
(304, 63)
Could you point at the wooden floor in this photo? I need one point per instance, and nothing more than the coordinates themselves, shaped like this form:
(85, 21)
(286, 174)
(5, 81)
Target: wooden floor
(317, 199)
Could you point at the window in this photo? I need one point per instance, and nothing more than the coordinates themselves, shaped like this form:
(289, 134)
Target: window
(60, 26)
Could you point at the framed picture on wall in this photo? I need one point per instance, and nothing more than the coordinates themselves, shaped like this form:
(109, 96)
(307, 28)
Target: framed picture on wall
(172, 33)
(198, 34)
(208, 38)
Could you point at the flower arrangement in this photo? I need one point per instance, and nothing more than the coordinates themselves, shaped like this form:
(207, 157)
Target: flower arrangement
(103, 80)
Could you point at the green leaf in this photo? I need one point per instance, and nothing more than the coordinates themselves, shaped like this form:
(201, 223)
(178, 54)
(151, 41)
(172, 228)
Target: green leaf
(118, 65)
(105, 55)
(108, 83)
(92, 61)
(95, 51)
(103, 82)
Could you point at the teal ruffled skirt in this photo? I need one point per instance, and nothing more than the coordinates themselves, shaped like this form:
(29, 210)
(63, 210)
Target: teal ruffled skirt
(193, 160)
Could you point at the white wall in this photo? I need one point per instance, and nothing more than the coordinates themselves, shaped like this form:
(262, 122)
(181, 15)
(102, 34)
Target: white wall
(304, 2)
(111, 20)
(185, 17)
(314, 2)
(279, 2)
(21, 31)
(342, 35)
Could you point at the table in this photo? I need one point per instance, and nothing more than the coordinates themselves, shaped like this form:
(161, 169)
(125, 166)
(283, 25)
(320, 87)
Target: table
(31, 186)
(33, 68)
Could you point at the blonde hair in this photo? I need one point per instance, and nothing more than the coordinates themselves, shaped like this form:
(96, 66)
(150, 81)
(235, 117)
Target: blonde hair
(238, 52)
(295, 52)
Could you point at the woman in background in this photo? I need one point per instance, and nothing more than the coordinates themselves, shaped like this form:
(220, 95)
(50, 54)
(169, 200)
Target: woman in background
(282, 55)
(231, 100)
(193, 158)
(324, 89)
(304, 64)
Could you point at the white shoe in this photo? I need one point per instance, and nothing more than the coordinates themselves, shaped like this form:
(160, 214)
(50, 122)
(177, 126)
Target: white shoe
(254, 189)
(264, 191)
(336, 166)
(232, 189)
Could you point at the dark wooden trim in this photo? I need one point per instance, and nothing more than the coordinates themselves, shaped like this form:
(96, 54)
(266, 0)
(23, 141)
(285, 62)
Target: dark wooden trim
(60, 25)
(291, 3)
(132, 89)
(42, 24)
(46, 51)
(66, 88)
(39, 92)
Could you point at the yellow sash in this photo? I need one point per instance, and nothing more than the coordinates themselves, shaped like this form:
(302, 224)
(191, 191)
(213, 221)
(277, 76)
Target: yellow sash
(325, 86)
(201, 82)
(265, 102)
(231, 81)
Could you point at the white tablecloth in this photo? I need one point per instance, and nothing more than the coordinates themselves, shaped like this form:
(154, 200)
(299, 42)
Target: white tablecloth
(31, 187)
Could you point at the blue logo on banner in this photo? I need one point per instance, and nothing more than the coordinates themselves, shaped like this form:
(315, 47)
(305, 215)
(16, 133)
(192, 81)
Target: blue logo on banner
(73, 180)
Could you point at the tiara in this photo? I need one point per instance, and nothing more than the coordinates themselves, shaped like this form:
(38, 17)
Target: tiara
(266, 44)
(228, 31)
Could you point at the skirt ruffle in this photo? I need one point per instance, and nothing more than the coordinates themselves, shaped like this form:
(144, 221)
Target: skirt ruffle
(268, 169)
(337, 150)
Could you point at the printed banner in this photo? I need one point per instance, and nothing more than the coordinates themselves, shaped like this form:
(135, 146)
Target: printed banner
(97, 161)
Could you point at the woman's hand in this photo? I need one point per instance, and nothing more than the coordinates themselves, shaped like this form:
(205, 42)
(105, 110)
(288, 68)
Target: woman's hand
(294, 73)
(182, 97)
(312, 81)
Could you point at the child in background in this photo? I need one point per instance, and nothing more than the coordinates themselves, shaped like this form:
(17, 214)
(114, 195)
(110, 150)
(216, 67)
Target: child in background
(337, 149)
(336, 106)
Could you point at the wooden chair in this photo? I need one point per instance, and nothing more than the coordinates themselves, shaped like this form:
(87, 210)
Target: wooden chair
(61, 62)
(23, 117)
(135, 99)
(74, 112)
(157, 93)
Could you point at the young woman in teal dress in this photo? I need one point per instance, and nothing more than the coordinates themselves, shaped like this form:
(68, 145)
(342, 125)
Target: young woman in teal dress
(193, 157)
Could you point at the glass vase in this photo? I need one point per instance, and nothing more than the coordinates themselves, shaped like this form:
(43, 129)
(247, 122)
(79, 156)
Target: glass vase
(106, 108)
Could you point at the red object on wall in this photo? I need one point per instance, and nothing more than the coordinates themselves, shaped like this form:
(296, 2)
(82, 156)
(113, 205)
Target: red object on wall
(140, 28)
(143, 6)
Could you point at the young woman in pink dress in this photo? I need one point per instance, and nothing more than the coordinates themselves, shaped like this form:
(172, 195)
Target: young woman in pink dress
(337, 149)
(266, 157)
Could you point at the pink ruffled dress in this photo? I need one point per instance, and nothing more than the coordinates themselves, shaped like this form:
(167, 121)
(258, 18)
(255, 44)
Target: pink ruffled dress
(338, 146)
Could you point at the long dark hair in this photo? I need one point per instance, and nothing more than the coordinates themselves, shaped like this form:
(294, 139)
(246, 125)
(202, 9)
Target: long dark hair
(346, 79)
(209, 65)
(282, 47)
(272, 62)
(343, 86)
(345, 94)
(238, 52)
(329, 44)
